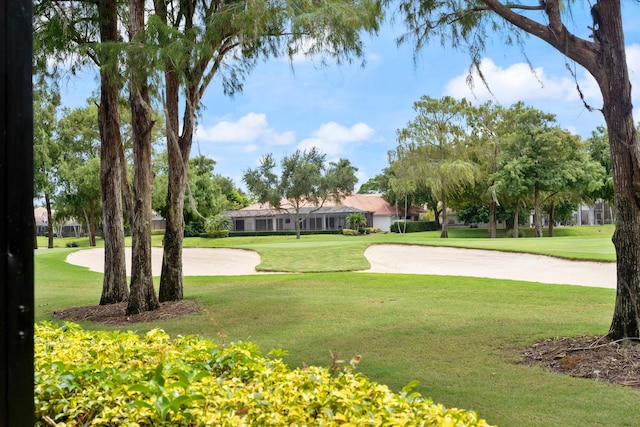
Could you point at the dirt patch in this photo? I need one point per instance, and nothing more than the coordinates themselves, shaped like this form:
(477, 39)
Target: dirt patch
(115, 314)
(597, 358)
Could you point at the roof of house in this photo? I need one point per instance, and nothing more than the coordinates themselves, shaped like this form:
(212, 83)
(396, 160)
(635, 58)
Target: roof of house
(352, 203)
(257, 210)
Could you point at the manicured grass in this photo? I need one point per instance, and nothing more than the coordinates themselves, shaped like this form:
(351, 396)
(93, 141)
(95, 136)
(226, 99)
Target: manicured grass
(461, 338)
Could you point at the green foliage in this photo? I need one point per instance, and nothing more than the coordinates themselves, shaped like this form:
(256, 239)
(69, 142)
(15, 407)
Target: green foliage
(216, 234)
(305, 182)
(413, 226)
(281, 233)
(106, 378)
(350, 232)
(218, 223)
(194, 229)
(432, 152)
(356, 220)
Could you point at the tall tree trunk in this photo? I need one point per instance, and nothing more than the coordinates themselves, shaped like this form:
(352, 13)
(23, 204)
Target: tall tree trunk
(171, 284)
(47, 201)
(114, 285)
(537, 212)
(142, 294)
(552, 219)
(516, 221)
(608, 65)
(493, 223)
(444, 233)
(298, 224)
(92, 223)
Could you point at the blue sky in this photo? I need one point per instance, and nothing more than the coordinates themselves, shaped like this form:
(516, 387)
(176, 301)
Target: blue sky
(354, 112)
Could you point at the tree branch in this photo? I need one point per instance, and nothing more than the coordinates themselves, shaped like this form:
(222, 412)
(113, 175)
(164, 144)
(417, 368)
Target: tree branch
(584, 52)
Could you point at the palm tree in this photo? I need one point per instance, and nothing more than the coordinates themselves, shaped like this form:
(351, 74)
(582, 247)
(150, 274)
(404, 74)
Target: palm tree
(356, 220)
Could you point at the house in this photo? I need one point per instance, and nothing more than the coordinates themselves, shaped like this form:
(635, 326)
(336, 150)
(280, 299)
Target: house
(332, 216)
(70, 227)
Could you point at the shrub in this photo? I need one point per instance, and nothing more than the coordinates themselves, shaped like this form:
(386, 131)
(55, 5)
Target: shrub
(158, 232)
(413, 226)
(216, 234)
(281, 232)
(218, 223)
(106, 378)
(193, 229)
(71, 244)
(350, 232)
(356, 220)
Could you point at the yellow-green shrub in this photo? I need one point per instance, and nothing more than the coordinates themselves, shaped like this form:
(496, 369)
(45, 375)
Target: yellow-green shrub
(350, 232)
(120, 378)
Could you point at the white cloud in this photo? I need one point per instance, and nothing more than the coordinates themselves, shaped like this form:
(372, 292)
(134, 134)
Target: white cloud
(250, 148)
(334, 139)
(519, 82)
(251, 128)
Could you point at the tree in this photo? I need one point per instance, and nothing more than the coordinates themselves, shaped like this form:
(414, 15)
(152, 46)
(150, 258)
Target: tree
(305, 183)
(488, 126)
(602, 54)
(598, 148)
(207, 193)
(432, 150)
(218, 223)
(87, 32)
(79, 195)
(46, 150)
(142, 295)
(356, 220)
(200, 40)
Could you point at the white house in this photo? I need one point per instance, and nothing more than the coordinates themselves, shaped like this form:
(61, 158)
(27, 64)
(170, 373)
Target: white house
(331, 216)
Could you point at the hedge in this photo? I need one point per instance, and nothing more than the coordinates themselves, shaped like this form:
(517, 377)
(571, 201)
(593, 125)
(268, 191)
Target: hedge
(106, 378)
(413, 226)
(281, 232)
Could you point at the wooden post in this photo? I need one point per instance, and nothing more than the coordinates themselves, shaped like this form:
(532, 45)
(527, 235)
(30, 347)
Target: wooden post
(16, 214)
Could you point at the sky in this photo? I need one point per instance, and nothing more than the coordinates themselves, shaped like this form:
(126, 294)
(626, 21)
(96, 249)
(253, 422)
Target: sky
(352, 111)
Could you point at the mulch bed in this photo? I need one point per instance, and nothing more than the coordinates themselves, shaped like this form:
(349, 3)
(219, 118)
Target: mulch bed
(596, 358)
(115, 314)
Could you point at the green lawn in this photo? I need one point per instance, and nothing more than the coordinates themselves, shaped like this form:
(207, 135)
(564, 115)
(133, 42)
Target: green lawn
(461, 338)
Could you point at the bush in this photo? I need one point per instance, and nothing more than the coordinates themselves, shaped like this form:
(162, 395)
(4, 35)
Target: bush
(373, 230)
(193, 229)
(217, 234)
(71, 244)
(106, 378)
(158, 232)
(413, 226)
(350, 232)
(281, 232)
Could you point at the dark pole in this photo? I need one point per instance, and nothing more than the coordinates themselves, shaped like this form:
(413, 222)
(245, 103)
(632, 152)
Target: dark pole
(16, 215)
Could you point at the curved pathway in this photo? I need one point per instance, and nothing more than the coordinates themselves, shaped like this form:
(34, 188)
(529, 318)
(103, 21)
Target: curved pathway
(409, 259)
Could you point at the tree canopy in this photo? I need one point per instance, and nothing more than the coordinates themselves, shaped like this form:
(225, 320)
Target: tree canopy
(305, 181)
